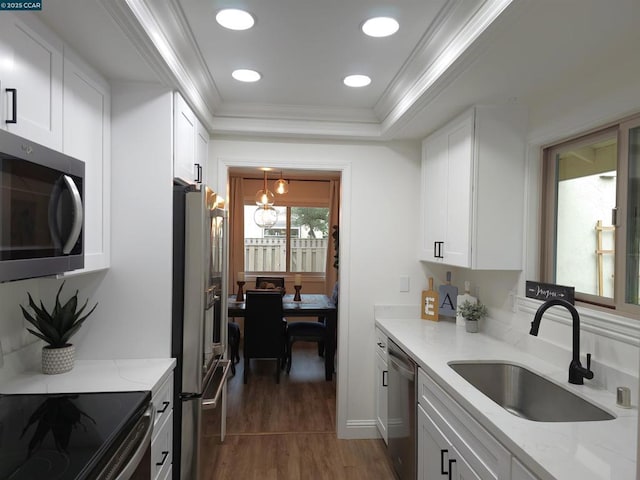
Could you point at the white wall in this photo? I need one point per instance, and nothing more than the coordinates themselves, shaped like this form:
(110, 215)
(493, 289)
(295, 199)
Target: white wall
(133, 319)
(378, 228)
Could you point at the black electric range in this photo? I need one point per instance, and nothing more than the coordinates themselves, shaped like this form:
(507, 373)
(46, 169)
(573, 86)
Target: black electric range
(64, 436)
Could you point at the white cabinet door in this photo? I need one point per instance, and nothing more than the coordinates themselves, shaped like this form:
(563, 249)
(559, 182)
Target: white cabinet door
(437, 458)
(457, 241)
(381, 383)
(184, 142)
(434, 195)
(446, 187)
(86, 136)
(202, 152)
(381, 395)
(31, 81)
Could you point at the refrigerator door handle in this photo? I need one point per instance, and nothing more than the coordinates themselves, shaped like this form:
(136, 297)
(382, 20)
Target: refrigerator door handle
(211, 403)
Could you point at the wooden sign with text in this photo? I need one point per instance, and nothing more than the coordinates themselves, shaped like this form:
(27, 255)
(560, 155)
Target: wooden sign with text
(548, 291)
(429, 306)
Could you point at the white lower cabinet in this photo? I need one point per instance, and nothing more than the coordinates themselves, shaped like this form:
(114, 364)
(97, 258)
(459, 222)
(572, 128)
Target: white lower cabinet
(448, 436)
(162, 437)
(381, 384)
(437, 458)
(161, 449)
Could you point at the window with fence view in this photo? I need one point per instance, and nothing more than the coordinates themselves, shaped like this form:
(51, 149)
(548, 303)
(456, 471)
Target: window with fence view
(296, 243)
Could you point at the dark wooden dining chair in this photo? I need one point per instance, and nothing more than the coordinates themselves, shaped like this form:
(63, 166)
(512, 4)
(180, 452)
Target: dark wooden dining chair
(269, 282)
(264, 329)
(305, 331)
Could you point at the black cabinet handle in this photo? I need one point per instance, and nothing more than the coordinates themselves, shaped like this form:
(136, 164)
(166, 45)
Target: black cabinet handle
(451, 462)
(442, 452)
(14, 105)
(198, 173)
(165, 454)
(437, 249)
(165, 405)
(385, 375)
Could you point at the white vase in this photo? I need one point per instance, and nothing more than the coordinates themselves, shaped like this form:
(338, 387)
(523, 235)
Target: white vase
(57, 360)
(471, 326)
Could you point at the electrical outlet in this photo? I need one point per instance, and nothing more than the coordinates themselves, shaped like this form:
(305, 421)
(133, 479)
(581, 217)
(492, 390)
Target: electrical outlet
(512, 300)
(404, 283)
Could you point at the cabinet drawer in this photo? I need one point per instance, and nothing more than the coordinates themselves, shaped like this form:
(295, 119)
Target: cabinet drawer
(161, 448)
(163, 402)
(484, 453)
(381, 344)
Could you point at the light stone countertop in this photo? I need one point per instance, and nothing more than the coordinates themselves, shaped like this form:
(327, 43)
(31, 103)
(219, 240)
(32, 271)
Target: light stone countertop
(551, 450)
(95, 376)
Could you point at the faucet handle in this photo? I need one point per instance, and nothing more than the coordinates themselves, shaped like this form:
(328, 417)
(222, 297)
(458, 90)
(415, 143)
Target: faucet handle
(588, 361)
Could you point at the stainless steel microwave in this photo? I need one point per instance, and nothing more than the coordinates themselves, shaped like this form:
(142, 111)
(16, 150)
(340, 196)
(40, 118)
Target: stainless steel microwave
(41, 210)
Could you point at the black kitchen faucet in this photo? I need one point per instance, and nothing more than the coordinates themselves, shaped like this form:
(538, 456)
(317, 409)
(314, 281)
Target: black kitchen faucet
(576, 371)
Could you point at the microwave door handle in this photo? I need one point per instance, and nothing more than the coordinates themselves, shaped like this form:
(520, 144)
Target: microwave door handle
(76, 228)
(54, 228)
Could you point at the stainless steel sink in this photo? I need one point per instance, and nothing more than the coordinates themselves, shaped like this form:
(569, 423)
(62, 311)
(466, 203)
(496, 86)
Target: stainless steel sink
(528, 395)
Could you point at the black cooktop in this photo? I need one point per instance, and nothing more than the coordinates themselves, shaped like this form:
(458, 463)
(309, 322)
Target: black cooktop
(63, 436)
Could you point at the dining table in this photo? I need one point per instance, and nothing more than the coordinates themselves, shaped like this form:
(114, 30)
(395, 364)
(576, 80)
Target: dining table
(309, 305)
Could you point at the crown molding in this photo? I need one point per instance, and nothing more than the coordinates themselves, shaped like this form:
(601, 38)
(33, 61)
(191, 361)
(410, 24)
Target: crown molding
(296, 128)
(160, 38)
(451, 61)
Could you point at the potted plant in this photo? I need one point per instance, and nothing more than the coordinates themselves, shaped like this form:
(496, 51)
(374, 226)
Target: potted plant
(472, 312)
(56, 328)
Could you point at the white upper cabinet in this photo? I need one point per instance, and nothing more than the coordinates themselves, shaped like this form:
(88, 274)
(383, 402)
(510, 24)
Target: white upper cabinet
(472, 200)
(186, 143)
(30, 81)
(87, 115)
(202, 150)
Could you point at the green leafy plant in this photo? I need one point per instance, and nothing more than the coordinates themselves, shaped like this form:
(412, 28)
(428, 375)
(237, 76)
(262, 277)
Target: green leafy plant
(57, 327)
(472, 311)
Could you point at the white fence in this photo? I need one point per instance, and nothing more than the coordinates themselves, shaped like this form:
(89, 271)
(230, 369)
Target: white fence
(270, 254)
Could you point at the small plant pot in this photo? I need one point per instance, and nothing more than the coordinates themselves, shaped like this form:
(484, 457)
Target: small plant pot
(57, 360)
(471, 326)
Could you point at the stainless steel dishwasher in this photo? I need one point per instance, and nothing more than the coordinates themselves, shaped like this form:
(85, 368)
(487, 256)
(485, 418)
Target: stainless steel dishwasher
(401, 406)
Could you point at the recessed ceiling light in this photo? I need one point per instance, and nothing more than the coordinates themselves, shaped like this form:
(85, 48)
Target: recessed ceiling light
(235, 19)
(380, 26)
(356, 81)
(244, 75)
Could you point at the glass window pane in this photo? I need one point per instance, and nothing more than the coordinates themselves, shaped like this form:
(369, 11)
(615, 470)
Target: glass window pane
(309, 237)
(265, 249)
(633, 221)
(586, 194)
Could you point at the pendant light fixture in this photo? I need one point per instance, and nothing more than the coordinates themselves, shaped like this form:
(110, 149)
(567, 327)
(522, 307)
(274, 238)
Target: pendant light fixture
(265, 216)
(265, 197)
(281, 186)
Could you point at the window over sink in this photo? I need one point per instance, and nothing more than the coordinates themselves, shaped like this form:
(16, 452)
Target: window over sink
(591, 216)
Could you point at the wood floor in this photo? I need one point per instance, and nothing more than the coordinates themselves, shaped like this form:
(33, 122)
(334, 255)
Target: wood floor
(286, 431)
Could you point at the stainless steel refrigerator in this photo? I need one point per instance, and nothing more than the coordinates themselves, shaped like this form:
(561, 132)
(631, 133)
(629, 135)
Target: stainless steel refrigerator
(199, 329)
